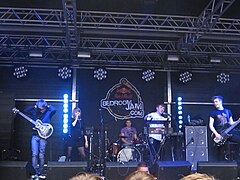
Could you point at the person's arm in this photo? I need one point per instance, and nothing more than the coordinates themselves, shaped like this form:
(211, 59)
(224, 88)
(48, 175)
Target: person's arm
(75, 122)
(135, 134)
(30, 110)
(231, 122)
(124, 140)
(212, 128)
(86, 141)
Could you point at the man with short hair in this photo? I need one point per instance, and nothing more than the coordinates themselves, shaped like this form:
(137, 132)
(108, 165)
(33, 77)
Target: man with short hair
(158, 120)
(44, 112)
(221, 119)
(142, 166)
(128, 133)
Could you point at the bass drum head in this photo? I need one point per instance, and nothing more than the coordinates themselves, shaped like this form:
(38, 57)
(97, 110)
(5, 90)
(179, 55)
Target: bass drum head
(129, 154)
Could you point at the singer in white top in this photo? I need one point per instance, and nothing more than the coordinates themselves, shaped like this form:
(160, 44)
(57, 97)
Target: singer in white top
(156, 122)
(161, 116)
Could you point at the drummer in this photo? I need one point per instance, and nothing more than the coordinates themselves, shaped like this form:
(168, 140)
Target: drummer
(128, 134)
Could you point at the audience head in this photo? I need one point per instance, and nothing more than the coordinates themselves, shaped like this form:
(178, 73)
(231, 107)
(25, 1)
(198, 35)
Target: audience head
(198, 176)
(142, 167)
(86, 176)
(138, 175)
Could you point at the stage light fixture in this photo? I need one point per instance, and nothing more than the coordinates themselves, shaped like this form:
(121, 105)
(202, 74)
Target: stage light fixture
(35, 54)
(215, 60)
(64, 72)
(173, 58)
(185, 77)
(148, 75)
(180, 114)
(223, 78)
(65, 113)
(84, 54)
(20, 72)
(100, 74)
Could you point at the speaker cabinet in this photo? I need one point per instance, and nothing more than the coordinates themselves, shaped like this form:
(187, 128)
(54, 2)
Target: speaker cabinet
(220, 170)
(196, 136)
(117, 170)
(65, 170)
(166, 170)
(13, 170)
(195, 154)
(196, 144)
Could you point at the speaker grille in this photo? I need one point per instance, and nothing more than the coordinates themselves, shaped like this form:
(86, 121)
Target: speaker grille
(196, 144)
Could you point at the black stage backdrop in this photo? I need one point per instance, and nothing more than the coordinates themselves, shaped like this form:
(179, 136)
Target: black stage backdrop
(44, 83)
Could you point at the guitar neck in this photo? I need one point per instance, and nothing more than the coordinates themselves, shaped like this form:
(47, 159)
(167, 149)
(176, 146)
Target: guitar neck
(27, 118)
(233, 126)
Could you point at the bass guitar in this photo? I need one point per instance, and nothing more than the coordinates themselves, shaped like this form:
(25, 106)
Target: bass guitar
(44, 130)
(224, 134)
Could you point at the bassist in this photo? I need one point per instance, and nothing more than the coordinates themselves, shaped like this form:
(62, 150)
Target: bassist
(43, 112)
(219, 122)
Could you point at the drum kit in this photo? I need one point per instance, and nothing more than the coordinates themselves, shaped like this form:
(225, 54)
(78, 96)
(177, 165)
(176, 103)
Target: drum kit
(137, 152)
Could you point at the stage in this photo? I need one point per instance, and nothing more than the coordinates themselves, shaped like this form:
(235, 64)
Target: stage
(162, 170)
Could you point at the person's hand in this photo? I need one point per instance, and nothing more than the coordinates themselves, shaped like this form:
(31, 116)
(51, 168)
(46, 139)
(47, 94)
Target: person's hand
(218, 136)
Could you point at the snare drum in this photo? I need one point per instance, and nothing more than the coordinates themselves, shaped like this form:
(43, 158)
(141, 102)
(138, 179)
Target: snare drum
(129, 154)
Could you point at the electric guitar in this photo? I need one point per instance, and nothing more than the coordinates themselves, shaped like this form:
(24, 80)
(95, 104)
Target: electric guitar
(225, 135)
(44, 130)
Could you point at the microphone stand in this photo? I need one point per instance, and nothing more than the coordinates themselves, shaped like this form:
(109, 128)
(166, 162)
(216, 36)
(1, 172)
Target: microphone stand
(102, 152)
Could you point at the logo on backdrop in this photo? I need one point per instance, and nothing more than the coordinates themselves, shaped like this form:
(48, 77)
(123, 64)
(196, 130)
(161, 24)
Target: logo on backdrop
(123, 101)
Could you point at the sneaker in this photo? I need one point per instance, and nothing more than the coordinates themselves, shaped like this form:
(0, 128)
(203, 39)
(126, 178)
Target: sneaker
(35, 177)
(42, 176)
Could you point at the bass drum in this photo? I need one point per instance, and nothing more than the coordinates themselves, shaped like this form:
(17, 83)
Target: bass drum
(129, 154)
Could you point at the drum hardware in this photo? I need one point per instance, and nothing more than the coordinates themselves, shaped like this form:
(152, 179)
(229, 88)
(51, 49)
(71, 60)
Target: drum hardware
(122, 136)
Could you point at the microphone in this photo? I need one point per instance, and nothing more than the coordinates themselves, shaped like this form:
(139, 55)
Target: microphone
(166, 114)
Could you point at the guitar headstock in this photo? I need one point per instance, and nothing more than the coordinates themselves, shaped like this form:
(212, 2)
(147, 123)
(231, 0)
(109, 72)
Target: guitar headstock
(15, 110)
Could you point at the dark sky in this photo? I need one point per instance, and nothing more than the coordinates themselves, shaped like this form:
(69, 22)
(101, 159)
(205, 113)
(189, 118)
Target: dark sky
(162, 7)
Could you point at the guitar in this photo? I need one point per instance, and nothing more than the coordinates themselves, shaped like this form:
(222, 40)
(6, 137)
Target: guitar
(44, 130)
(225, 135)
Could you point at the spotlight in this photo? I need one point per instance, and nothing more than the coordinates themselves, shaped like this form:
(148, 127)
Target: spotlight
(65, 113)
(223, 78)
(100, 74)
(148, 75)
(64, 72)
(20, 72)
(180, 114)
(185, 77)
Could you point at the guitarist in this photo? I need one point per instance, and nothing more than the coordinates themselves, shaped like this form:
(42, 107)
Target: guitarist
(43, 112)
(221, 119)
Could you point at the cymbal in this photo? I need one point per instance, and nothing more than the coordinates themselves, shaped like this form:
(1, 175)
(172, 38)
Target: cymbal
(122, 136)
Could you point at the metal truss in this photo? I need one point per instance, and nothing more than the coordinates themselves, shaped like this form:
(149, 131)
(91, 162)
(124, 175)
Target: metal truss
(204, 23)
(113, 38)
(72, 35)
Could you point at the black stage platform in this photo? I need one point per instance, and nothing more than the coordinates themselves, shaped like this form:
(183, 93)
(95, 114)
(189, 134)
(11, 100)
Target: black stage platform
(163, 170)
